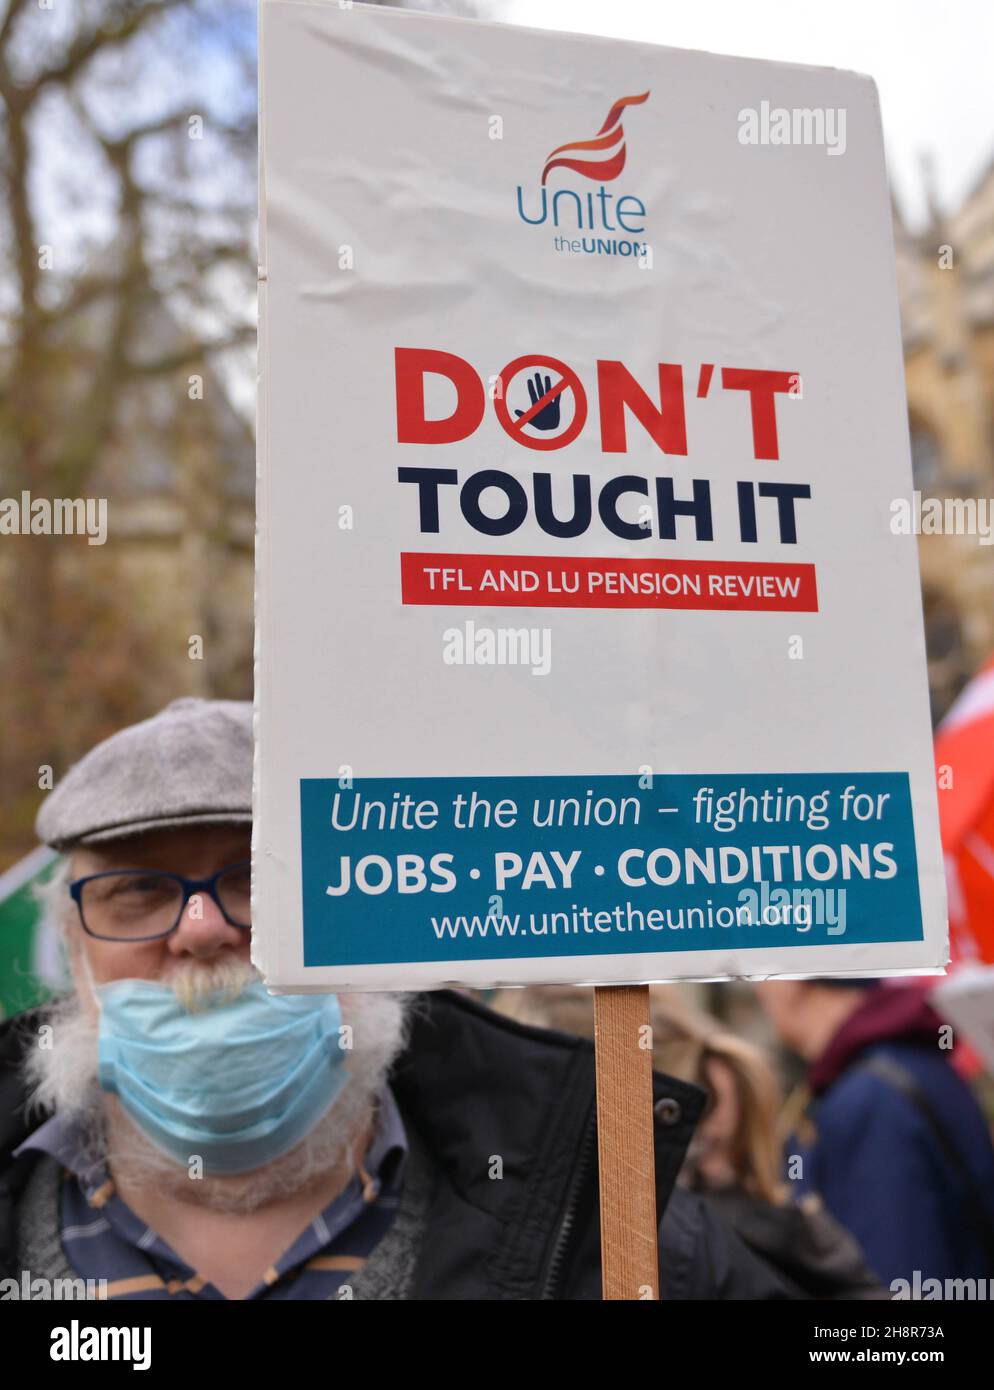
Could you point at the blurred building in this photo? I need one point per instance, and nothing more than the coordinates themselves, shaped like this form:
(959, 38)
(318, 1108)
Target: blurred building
(180, 476)
(178, 473)
(946, 288)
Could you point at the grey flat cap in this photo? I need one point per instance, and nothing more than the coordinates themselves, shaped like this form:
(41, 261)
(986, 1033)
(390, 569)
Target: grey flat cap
(190, 764)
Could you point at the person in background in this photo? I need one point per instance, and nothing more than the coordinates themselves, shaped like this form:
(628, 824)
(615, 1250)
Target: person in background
(892, 1138)
(734, 1157)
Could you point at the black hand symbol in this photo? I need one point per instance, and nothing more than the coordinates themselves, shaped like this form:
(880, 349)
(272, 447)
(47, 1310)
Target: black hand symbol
(548, 417)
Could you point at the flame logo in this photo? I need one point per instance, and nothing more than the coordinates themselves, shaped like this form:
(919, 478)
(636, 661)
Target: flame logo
(610, 136)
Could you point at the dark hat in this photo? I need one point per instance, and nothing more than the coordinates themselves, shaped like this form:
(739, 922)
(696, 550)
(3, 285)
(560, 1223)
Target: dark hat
(190, 764)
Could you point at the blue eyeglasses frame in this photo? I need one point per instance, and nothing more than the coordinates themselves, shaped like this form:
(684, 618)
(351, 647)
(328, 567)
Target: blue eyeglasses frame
(190, 887)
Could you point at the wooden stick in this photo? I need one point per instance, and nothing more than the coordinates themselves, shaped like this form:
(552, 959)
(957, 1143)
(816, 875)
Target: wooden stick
(623, 1048)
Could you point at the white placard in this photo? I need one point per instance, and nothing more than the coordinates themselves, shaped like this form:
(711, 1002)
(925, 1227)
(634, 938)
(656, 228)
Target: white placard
(587, 650)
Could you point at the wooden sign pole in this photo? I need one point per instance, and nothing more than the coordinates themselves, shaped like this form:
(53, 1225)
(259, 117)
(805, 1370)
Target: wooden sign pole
(629, 1257)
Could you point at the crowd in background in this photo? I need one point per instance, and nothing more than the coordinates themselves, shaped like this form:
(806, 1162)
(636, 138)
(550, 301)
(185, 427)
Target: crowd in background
(877, 1168)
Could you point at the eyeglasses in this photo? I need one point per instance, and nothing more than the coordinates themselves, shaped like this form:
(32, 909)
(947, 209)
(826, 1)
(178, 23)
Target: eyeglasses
(144, 904)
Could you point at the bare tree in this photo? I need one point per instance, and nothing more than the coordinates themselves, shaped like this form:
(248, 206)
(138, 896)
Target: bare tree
(127, 160)
(128, 172)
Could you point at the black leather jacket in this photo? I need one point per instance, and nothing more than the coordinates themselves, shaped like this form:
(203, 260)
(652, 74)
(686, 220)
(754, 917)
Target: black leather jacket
(477, 1085)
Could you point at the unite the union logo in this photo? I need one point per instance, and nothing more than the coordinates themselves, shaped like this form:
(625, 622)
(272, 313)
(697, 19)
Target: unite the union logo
(606, 152)
(600, 159)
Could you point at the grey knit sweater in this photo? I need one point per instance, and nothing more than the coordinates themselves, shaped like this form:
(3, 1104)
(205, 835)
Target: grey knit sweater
(387, 1273)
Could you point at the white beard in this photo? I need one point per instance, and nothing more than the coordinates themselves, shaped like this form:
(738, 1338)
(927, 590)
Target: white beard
(62, 1075)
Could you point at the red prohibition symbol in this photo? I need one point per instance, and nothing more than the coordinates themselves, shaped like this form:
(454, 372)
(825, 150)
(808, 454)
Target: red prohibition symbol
(568, 381)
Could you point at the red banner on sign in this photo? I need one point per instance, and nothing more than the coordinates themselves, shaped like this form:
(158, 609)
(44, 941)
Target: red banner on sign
(545, 581)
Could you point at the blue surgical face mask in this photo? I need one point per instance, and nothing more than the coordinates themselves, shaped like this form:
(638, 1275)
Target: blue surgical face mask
(238, 1084)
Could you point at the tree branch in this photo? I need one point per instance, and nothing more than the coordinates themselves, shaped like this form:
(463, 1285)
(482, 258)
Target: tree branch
(194, 352)
(13, 10)
(90, 42)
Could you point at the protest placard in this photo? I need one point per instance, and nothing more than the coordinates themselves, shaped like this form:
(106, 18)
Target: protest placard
(586, 649)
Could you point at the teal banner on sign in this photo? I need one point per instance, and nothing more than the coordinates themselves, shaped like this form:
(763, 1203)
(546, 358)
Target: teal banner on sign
(456, 868)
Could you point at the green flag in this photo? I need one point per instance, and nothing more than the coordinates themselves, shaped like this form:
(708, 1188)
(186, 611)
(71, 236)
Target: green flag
(32, 966)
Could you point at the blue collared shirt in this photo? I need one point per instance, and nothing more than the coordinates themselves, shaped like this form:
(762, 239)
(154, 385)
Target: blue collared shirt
(103, 1239)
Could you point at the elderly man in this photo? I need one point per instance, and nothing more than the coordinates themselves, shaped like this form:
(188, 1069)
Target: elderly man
(176, 1132)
